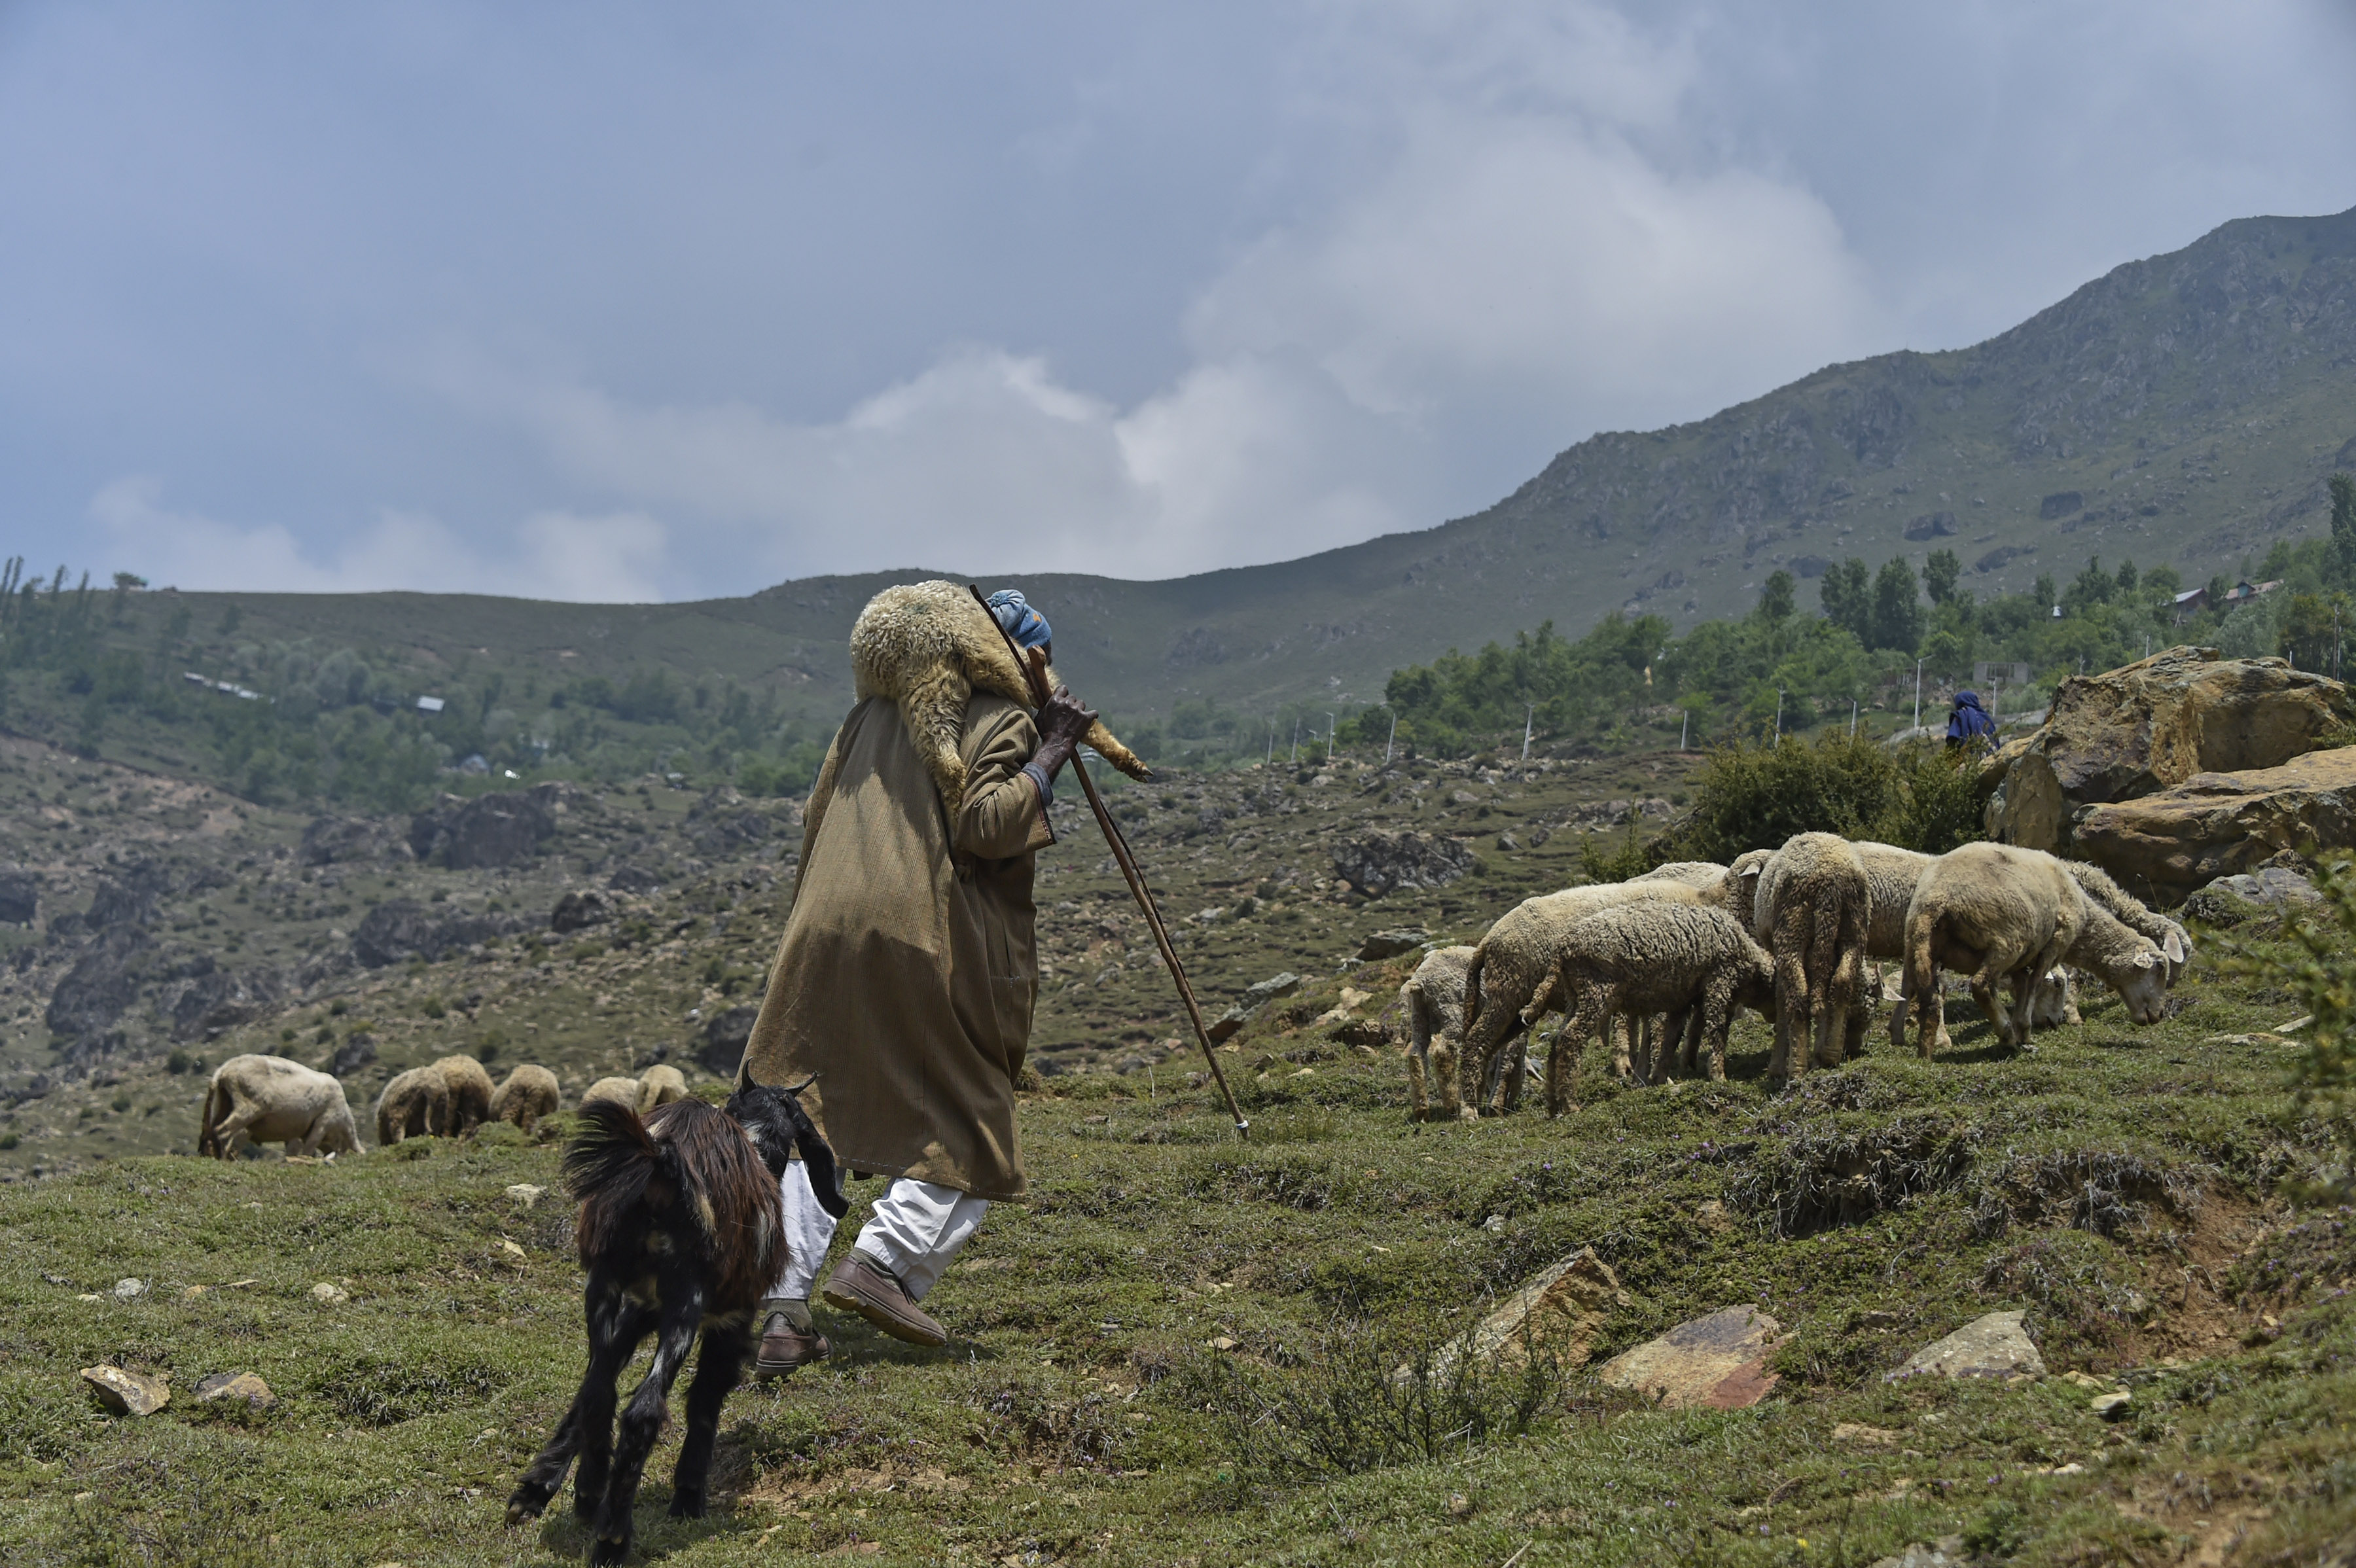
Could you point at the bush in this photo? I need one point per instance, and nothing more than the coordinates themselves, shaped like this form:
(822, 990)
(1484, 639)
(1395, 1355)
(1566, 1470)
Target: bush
(2313, 964)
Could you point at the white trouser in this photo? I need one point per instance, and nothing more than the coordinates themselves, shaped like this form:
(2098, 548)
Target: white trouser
(916, 1230)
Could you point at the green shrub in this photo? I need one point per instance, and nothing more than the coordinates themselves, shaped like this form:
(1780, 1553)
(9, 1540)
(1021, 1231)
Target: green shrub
(2315, 964)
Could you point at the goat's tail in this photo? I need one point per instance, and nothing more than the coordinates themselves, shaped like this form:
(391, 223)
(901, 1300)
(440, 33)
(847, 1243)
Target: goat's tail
(612, 1157)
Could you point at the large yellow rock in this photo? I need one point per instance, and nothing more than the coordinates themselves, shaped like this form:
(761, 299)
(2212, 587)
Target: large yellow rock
(2149, 726)
(2216, 824)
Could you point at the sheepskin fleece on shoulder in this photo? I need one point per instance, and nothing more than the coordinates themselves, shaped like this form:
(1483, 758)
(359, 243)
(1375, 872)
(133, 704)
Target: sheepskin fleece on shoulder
(928, 648)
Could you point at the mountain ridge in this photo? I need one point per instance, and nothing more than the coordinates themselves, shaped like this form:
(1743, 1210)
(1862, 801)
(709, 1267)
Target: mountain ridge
(2232, 357)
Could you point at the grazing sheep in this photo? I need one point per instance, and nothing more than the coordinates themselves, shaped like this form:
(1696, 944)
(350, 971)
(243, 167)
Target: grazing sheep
(1891, 875)
(1809, 911)
(529, 1093)
(679, 1232)
(2136, 916)
(1990, 911)
(470, 1094)
(1433, 1000)
(416, 1103)
(271, 1100)
(2056, 1002)
(620, 1090)
(660, 1085)
(1516, 957)
(1699, 875)
(1641, 958)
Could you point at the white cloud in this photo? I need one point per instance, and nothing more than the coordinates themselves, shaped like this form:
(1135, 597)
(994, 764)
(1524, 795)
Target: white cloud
(1528, 256)
(556, 556)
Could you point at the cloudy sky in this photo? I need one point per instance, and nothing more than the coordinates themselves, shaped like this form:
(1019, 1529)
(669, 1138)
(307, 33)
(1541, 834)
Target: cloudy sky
(604, 301)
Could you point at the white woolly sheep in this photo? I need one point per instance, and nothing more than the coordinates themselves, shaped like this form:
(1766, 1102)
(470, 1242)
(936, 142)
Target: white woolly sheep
(270, 1099)
(416, 1103)
(1432, 999)
(1994, 911)
(2135, 915)
(660, 1085)
(1685, 960)
(528, 1093)
(470, 1094)
(1699, 875)
(1516, 957)
(1809, 911)
(620, 1090)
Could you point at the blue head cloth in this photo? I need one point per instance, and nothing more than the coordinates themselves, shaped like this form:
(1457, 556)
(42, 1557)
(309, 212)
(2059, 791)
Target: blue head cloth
(1026, 626)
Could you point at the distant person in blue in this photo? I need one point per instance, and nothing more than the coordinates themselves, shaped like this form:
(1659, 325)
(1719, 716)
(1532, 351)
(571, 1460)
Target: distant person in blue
(1969, 727)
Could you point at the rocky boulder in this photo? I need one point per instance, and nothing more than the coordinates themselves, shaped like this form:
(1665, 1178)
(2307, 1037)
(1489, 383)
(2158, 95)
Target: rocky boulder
(1563, 1311)
(2149, 726)
(580, 909)
(487, 832)
(2168, 844)
(400, 929)
(1994, 1346)
(126, 1392)
(20, 896)
(2229, 900)
(724, 1039)
(1382, 862)
(1392, 943)
(1719, 1362)
(104, 984)
(219, 999)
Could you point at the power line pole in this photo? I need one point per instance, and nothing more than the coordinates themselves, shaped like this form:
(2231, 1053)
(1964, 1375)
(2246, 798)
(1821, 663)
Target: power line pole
(1852, 718)
(1684, 724)
(1779, 712)
(1527, 714)
(1296, 740)
(1918, 693)
(1394, 737)
(1328, 739)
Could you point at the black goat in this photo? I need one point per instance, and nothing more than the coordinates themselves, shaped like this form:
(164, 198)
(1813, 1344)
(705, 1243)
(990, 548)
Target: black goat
(680, 1230)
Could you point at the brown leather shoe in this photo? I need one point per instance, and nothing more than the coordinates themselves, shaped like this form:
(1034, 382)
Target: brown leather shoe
(860, 1284)
(785, 1348)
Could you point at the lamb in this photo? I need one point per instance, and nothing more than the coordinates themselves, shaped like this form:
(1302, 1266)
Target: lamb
(928, 646)
(1432, 998)
(470, 1094)
(1809, 911)
(1654, 957)
(271, 1100)
(529, 1093)
(1992, 910)
(680, 1230)
(414, 1103)
(1514, 958)
(659, 1086)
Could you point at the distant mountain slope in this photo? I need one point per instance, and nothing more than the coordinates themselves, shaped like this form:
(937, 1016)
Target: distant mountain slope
(2188, 407)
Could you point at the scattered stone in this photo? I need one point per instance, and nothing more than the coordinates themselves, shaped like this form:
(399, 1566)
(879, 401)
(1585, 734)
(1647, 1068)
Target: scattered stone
(1222, 1343)
(487, 832)
(1920, 1555)
(1227, 1024)
(2112, 1406)
(1717, 1362)
(327, 840)
(1391, 943)
(128, 1393)
(329, 1293)
(1565, 1309)
(1459, 1506)
(1712, 1217)
(1862, 1436)
(1274, 986)
(1994, 1346)
(524, 1192)
(129, 1290)
(246, 1386)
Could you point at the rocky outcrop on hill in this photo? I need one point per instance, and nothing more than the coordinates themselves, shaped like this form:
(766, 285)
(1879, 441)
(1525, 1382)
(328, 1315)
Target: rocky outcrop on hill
(20, 896)
(2218, 824)
(1380, 862)
(103, 983)
(327, 841)
(216, 999)
(580, 909)
(2151, 729)
(402, 929)
(489, 830)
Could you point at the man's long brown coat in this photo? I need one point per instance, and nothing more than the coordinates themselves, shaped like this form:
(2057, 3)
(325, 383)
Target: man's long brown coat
(906, 976)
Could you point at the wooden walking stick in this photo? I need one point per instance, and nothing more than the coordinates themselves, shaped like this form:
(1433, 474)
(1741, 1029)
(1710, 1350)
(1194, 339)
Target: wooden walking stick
(1035, 675)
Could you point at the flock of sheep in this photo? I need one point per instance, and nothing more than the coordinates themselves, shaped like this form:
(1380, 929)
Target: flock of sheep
(1787, 932)
(270, 1099)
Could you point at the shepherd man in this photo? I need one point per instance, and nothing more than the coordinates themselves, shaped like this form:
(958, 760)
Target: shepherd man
(904, 980)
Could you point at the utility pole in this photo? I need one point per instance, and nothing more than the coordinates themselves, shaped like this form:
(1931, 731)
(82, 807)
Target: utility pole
(1271, 759)
(1684, 724)
(1296, 740)
(1394, 737)
(1918, 693)
(1329, 740)
(1779, 712)
(1528, 714)
(1852, 718)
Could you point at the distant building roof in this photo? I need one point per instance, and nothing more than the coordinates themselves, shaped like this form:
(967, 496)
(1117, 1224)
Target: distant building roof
(429, 704)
